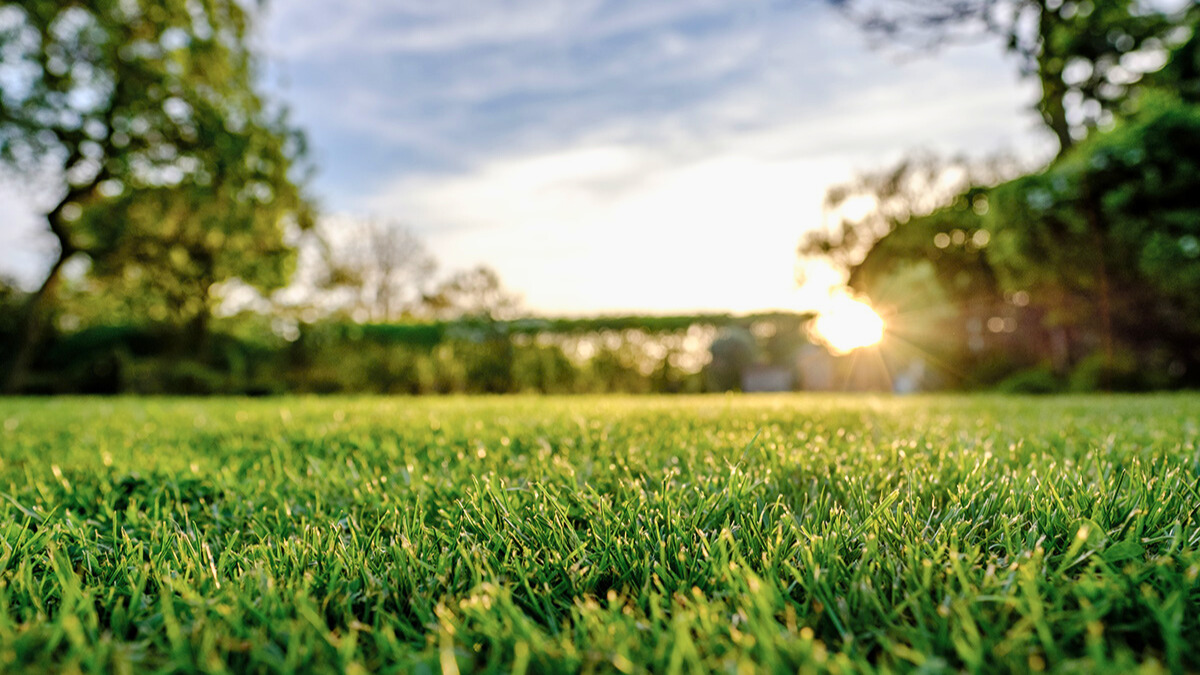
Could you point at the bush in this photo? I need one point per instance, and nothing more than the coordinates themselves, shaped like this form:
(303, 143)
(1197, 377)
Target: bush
(1038, 380)
(1097, 373)
(170, 376)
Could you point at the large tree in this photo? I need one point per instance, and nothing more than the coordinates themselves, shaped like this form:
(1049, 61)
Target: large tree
(1094, 248)
(1102, 248)
(165, 163)
(1085, 54)
(1088, 57)
(1115, 229)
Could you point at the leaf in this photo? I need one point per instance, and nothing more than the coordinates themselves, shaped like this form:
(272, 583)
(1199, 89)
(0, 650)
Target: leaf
(1121, 551)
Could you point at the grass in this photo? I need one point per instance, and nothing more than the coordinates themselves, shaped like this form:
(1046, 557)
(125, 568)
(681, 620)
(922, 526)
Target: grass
(619, 534)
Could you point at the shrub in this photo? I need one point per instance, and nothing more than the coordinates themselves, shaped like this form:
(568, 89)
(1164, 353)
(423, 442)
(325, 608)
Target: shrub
(1097, 372)
(1037, 380)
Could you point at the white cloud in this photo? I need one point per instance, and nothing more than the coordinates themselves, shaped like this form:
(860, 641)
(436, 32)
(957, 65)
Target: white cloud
(619, 228)
(608, 155)
(315, 28)
(690, 220)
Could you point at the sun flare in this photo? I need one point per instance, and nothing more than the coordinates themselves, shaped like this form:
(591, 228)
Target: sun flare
(846, 324)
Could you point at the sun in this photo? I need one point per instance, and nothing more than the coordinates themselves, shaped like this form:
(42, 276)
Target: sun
(846, 324)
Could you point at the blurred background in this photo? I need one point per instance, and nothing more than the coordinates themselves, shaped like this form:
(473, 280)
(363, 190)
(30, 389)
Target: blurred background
(224, 196)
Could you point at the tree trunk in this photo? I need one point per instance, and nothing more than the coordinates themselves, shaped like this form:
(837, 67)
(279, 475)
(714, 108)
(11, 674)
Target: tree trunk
(33, 326)
(196, 329)
(196, 335)
(33, 322)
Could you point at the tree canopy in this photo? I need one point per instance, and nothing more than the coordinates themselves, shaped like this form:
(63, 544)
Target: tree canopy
(1104, 243)
(1085, 54)
(1094, 256)
(168, 169)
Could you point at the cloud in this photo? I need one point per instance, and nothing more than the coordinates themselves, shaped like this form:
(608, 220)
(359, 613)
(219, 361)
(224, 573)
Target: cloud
(564, 141)
(315, 28)
(529, 76)
(561, 79)
(609, 228)
(691, 221)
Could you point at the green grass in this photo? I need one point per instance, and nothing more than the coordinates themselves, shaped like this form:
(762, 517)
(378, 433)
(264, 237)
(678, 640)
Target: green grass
(600, 534)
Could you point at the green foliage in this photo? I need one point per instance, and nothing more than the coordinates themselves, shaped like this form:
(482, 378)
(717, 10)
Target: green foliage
(145, 360)
(1084, 54)
(474, 294)
(1100, 372)
(1097, 253)
(1117, 222)
(952, 239)
(778, 534)
(11, 301)
(1181, 75)
(544, 369)
(246, 354)
(174, 173)
(1037, 380)
(430, 333)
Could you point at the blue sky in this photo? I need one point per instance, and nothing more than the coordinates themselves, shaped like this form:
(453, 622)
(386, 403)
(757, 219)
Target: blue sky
(603, 156)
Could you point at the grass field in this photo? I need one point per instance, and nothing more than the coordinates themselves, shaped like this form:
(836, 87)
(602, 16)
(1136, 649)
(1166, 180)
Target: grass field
(600, 534)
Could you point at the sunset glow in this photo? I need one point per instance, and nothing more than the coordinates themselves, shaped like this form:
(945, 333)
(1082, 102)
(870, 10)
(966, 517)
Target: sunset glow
(846, 324)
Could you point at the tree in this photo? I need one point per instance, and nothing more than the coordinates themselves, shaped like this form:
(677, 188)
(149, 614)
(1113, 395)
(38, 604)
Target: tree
(1094, 248)
(164, 159)
(1085, 54)
(1115, 229)
(1102, 248)
(11, 300)
(474, 293)
(869, 207)
(376, 270)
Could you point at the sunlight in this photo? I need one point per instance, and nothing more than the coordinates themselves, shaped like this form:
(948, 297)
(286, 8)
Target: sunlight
(846, 324)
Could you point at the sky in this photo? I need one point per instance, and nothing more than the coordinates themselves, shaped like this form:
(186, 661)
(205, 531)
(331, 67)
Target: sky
(607, 156)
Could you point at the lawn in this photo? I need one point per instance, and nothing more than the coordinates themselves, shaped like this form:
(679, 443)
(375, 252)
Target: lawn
(623, 534)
